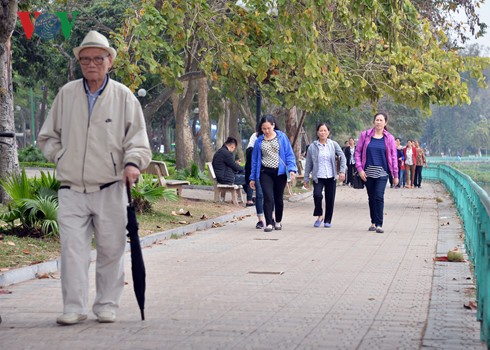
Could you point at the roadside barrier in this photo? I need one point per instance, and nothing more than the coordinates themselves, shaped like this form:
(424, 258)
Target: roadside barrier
(473, 205)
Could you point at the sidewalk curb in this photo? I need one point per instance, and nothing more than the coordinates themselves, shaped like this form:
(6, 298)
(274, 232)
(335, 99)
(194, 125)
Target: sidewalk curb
(26, 273)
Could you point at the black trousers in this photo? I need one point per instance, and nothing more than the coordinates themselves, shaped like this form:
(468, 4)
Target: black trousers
(418, 175)
(351, 168)
(330, 187)
(273, 188)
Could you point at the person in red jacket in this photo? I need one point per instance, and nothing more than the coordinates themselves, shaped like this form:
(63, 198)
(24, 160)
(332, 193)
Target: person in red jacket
(410, 153)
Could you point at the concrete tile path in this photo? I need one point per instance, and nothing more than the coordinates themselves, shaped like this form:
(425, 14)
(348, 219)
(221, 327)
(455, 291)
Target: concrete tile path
(235, 287)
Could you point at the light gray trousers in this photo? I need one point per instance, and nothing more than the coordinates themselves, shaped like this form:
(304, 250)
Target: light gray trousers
(80, 216)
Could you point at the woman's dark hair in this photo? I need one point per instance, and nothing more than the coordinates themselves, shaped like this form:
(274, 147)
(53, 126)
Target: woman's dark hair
(268, 118)
(385, 115)
(320, 125)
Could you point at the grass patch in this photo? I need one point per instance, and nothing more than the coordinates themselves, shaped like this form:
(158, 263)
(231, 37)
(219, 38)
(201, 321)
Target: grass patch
(479, 172)
(24, 251)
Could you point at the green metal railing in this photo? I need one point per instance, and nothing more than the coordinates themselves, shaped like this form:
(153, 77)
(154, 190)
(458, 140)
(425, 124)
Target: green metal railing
(473, 205)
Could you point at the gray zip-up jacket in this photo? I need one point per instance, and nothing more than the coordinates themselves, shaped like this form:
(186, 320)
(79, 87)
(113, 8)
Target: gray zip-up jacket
(92, 152)
(311, 165)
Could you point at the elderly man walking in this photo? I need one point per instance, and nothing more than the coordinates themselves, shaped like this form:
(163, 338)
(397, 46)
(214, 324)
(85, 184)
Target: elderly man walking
(96, 135)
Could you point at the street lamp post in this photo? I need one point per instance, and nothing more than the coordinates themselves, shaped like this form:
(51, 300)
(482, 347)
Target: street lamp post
(258, 107)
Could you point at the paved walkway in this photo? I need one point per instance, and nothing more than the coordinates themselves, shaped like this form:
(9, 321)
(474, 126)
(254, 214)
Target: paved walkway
(235, 287)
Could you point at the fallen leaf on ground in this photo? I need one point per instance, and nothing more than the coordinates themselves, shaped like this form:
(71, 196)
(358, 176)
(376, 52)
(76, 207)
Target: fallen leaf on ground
(183, 222)
(10, 243)
(441, 258)
(173, 213)
(204, 217)
(26, 252)
(471, 305)
(5, 291)
(217, 224)
(445, 223)
(4, 269)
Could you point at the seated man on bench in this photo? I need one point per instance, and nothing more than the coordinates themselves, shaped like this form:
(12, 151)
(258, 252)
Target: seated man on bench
(226, 169)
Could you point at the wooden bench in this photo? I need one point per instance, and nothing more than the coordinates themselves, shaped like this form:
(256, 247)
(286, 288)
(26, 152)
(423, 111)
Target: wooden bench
(220, 190)
(160, 170)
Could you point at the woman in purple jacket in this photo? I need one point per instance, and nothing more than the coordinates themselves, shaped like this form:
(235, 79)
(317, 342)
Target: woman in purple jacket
(376, 159)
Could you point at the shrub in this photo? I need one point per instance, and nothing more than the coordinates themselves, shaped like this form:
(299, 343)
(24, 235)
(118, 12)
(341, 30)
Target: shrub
(31, 154)
(34, 203)
(148, 191)
(194, 175)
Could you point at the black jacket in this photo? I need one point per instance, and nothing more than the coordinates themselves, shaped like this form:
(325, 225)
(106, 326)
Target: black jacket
(225, 167)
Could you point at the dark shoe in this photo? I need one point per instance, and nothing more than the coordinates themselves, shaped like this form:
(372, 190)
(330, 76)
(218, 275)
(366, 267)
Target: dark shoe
(249, 204)
(260, 225)
(268, 228)
(71, 318)
(379, 230)
(372, 228)
(278, 226)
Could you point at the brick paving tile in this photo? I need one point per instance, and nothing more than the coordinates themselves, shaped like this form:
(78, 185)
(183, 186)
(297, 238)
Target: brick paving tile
(235, 287)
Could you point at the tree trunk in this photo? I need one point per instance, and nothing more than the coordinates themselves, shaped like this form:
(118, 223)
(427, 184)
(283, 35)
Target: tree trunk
(207, 143)
(9, 163)
(165, 134)
(292, 130)
(223, 124)
(184, 145)
(234, 130)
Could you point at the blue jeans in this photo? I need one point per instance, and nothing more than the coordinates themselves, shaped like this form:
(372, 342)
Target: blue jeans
(403, 179)
(376, 195)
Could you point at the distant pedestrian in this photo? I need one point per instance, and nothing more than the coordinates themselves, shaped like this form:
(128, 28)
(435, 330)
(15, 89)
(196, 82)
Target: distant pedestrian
(351, 162)
(401, 163)
(376, 158)
(321, 163)
(273, 161)
(421, 161)
(410, 161)
(96, 135)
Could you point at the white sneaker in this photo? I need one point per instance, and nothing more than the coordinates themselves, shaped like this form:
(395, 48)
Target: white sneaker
(71, 318)
(278, 226)
(106, 316)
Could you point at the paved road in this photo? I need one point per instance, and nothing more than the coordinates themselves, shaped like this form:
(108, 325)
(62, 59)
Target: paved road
(235, 287)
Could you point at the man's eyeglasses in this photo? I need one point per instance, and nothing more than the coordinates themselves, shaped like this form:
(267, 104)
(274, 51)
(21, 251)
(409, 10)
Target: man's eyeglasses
(98, 60)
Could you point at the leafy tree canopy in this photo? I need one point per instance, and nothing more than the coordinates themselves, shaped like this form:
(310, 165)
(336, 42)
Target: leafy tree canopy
(311, 54)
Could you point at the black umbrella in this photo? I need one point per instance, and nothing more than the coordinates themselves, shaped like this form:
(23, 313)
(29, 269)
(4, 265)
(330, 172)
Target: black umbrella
(137, 263)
